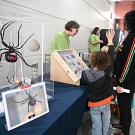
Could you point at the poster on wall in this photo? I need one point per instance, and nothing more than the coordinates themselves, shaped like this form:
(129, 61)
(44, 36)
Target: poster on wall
(24, 105)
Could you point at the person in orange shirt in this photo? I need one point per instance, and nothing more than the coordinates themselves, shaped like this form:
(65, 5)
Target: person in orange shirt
(100, 88)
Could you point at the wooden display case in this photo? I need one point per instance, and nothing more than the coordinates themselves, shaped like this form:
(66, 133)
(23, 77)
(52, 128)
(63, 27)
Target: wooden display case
(66, 66)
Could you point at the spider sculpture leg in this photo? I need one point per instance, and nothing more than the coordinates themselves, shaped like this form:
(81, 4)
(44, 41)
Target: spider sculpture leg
(27, 93)
(1, 55)
(9, 79)
(20, 55)
(24, 42)
(2, 32)
(30, 94)
(19, 39)
(32, 101)
(33, 97)
(17, 81)
(4, 27)
(14, 78)
(16, 47)
(18, 36)
(37, 100)
(26, 100)
(15, 85)
(22, 102)
(28, 107)
(3, 49)
(3, 52)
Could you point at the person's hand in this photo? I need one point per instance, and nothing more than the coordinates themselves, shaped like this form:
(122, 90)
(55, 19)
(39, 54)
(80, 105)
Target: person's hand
(110, 35)
(119, 89)
(105, 48)
(119, 48)
(101, 41)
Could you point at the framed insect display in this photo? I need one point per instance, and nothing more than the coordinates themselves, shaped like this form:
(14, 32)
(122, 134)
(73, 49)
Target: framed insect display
(24, 105)
(68, 64)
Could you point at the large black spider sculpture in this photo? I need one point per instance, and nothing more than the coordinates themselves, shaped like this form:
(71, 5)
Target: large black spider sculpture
(30, 99)
(11, 51)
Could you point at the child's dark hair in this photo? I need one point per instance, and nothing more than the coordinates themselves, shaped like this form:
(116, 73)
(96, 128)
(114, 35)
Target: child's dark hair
(71, 24)
(101, 60)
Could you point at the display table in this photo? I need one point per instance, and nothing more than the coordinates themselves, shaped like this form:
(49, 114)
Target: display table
(64, 118)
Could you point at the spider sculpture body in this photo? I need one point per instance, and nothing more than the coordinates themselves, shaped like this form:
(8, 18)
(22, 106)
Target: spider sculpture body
(30, 99)
(10, 50)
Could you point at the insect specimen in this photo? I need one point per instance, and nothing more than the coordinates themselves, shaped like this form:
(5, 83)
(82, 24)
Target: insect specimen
(30, 99)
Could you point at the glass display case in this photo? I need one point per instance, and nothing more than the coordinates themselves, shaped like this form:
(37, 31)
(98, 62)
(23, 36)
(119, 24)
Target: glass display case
(21, 52)
(48, 79)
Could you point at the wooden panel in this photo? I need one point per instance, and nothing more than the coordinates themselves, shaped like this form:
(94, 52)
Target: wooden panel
(61, 71)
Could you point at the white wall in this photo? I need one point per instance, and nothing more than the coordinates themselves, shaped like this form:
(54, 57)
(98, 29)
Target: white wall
(55, 13)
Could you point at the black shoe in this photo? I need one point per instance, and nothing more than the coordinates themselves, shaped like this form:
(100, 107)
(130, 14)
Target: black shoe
(116, 126)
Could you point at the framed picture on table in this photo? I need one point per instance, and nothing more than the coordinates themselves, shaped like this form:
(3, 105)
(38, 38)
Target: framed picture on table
(23, 105)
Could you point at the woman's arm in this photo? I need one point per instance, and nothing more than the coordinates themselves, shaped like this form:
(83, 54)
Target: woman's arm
(94, 39)
(110, 49)
(96, 42)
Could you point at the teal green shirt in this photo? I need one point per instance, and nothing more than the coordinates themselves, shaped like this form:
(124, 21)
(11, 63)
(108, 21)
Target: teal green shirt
(61, 41)
(95, 47)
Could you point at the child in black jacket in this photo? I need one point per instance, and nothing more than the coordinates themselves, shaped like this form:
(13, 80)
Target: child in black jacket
(100, 87)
